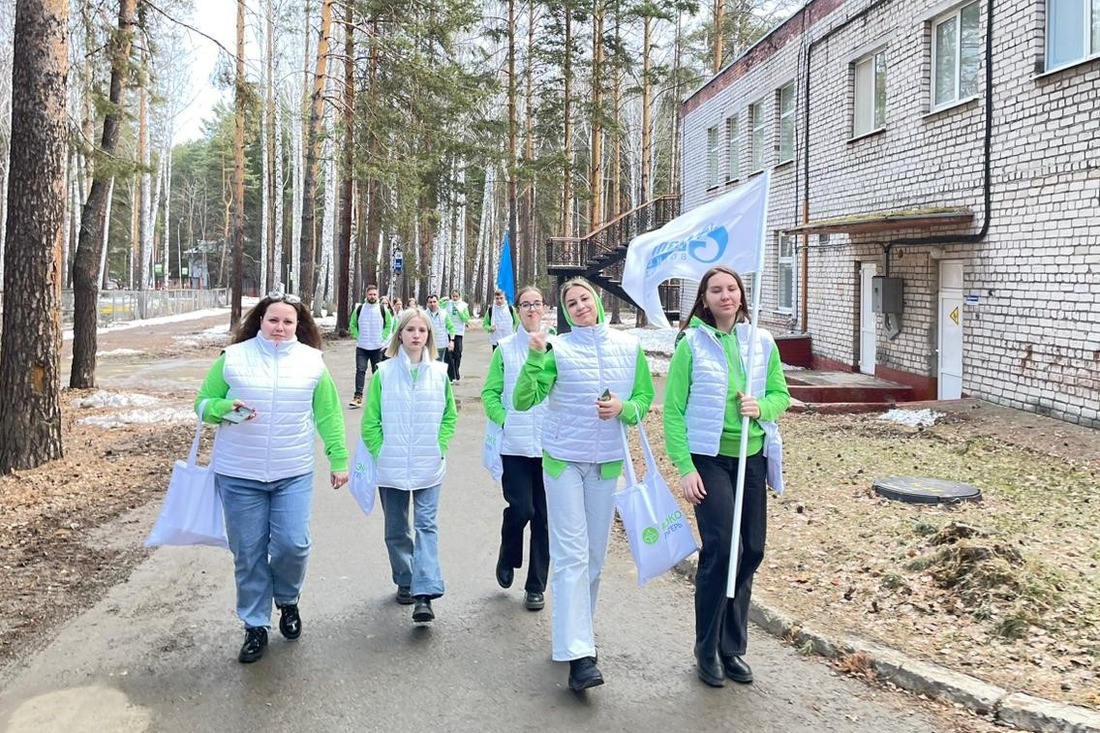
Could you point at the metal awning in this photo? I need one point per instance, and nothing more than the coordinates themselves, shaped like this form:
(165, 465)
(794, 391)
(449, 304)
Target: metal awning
(885, 221)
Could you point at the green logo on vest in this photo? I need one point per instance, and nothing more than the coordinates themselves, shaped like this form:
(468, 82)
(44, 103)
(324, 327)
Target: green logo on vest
(650, 535)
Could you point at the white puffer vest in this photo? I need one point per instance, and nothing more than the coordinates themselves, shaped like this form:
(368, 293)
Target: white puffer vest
(502, 319)
(704, 414)
(589, 360)
(370, 326)
(412, 413)
(454, 307)
(438, 322)
(278, 380)
(522, 430)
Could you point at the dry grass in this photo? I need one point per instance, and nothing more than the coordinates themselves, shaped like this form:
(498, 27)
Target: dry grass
(1006, 589)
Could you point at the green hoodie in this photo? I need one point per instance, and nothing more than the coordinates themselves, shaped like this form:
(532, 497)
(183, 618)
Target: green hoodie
(539, 373)
(387, 323)
(774, 403)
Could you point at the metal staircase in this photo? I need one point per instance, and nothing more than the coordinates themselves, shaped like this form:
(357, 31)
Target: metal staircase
(599, 256)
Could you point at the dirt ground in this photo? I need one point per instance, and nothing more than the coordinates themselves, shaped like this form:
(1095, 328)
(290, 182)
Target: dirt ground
(1006, 589)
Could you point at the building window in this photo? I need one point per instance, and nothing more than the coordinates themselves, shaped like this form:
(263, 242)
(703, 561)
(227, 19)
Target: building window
(1073, 31)
(786, 273)
(756, 119)
(956, 46)
(786, 123)
(712, 157)
(733, 147)
(869, 113)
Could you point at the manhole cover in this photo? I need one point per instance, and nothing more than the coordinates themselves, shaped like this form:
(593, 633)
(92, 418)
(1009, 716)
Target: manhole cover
(921, 490)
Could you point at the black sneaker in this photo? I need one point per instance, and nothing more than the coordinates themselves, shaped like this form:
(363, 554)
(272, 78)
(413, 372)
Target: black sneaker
(404, 595)
(290, 622)
(422, 612)
(255, 641)
(583, 673)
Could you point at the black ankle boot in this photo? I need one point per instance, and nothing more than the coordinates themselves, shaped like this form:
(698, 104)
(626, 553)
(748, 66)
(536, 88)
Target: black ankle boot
(255, 642)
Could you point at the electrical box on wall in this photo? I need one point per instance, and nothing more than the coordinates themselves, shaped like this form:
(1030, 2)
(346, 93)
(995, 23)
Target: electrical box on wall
(886, 294)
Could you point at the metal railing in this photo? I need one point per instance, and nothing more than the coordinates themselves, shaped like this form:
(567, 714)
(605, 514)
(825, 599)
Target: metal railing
(610, 240)
(114, 306)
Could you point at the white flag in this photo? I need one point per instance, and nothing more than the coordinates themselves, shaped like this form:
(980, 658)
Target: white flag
(730, 231)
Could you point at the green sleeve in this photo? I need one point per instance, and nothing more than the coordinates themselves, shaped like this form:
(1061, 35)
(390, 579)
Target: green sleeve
(464, 314)
(777, 398)
(329, 418)
(387, 324)
(449, 324)
(487, 321)
(214, 388)
(641, 394)
(677, 387)
(538, 375)
(354, 325)
(370, 429)
(515, 317)
(492, 392)
(450, 419)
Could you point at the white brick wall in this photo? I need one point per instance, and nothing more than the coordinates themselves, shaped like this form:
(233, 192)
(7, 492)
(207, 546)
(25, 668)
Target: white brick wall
(1033, 341)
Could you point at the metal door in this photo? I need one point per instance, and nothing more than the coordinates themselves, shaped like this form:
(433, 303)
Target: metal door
(951, 331)
(867, 323)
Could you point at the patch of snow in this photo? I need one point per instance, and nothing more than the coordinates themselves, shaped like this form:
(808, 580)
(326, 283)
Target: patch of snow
(658, 364)
(178, 317)
(215, 334)
(656, 340)
(115, 399)
(119, 352)
(913, 418)
(141, 417)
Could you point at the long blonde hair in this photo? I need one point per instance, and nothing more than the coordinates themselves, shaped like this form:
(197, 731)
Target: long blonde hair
(407, 315)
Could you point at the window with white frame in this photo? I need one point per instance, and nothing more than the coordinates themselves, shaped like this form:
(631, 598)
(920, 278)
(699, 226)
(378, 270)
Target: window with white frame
(956, 51)
(869, 112)
(733, 148)
(756, 119)
(786, 123)
(712, 157)
(786, 273)
(1073, 31)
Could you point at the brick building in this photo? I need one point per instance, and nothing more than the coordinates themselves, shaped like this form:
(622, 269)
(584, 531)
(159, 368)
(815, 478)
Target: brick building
(935, 202)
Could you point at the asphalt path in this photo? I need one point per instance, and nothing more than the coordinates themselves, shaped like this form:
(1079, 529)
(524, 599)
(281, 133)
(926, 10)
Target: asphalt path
(158, 652)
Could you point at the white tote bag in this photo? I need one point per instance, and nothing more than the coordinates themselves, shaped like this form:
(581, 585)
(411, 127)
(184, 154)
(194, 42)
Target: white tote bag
(363, 481)
(659, 534)
(490, 450)
(192, 512)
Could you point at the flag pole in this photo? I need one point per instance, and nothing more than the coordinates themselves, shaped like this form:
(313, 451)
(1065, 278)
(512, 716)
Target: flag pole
(739, 491)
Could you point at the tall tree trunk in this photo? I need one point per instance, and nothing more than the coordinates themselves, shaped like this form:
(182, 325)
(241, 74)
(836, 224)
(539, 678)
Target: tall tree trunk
(90, 247)
(567, 136)
(144, 240)
(308, 251)
(512, 140)
(595, 164)
(343, 274)
(30, 346)
(615, 194)
(647, 104)
(719, 20)
(374, 187)
(530, 247)
(238, 176)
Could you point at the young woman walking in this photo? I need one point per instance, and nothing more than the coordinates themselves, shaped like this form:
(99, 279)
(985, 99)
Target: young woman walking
(593, 379)
(408, 421)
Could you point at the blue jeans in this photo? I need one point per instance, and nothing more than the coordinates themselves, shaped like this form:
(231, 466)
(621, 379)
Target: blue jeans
(268, 529)
(415, 565)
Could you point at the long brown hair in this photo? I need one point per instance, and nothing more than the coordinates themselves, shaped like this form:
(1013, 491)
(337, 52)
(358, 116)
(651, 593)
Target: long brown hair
(699, 309)
(306, 332)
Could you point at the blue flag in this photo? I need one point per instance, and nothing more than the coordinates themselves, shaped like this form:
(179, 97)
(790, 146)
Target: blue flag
(505, 279)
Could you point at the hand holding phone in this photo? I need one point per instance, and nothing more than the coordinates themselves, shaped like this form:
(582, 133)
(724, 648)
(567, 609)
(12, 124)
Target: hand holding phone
(238, 414)
(605, 396)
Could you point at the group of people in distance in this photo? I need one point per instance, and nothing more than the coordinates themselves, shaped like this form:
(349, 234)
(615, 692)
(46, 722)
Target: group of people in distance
(561, 401)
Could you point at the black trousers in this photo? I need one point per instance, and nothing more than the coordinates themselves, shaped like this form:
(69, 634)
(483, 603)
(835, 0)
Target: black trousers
(722, 625)
(455, 361)
(362, 358)
(526, 497)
